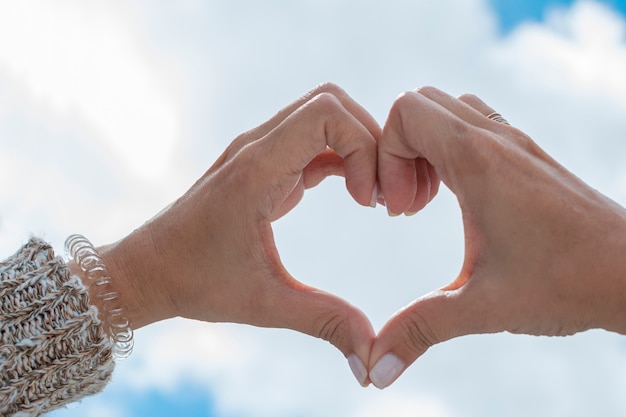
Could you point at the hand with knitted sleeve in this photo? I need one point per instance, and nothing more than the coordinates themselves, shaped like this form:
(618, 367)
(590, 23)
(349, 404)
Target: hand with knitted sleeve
(209, 256)
(53, 349)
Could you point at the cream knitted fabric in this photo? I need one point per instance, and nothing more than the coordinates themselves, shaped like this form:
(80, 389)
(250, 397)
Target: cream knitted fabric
(53, 350)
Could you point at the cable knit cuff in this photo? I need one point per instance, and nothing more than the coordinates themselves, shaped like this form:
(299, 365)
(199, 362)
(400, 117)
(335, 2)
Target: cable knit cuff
(53, 350)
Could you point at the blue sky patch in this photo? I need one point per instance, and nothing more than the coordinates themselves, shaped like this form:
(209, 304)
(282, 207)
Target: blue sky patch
(187, 400)
(513, 12)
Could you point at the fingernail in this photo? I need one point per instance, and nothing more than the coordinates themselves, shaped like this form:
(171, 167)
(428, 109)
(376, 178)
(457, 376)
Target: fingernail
(386, 370)
(374, 196)
(357, 368)
(391, 214)
(381, 198)
(410, 213)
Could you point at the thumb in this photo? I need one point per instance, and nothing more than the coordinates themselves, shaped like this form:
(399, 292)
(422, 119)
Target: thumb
(434, 318)
(326, 316)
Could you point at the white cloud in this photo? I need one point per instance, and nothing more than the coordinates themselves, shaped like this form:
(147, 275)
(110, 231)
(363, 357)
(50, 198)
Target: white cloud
(560, 81)
(88, 61)
(403, 406)
(91, 122)
(579, 49)
(165, 363)
(565, 85)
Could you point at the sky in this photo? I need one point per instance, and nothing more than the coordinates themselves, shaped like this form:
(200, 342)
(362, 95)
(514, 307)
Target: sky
(109, 110)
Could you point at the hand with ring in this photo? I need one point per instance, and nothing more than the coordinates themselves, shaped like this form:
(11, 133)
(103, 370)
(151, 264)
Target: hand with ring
(543, 250)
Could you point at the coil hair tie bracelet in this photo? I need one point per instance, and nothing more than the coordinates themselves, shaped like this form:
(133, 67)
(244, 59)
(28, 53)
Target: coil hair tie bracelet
(83, 253)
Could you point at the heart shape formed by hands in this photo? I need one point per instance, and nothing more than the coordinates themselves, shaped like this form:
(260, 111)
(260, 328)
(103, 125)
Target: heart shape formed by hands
(216, 260)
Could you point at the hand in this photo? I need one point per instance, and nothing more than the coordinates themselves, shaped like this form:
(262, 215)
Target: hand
(211, 255)
(543, 251)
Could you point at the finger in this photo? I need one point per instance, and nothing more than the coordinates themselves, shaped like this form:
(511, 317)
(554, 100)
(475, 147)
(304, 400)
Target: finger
(434, 181)
(324, 165)
(432, 319)
(427, 183)
(477, 104)
(495, 119)
(328, 317)
(468, 107)
(348, 102)
(322, 122)
(417, 127)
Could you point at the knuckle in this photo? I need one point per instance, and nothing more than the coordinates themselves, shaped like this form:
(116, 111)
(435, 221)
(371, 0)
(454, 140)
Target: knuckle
(406, 98)
(397, 127)
(249, 163)
(469, 98)
(329, 87)
(249, 154)
(419, 335)
(428, 91)
(239, 142)
(235, 146)
(528, 144)
(329, 327)
(405, 102)
(246, 136)
(326, 111)
(323, 103)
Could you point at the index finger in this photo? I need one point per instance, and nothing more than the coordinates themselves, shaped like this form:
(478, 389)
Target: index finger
(322, 122)
(354, 108)
(419, 127)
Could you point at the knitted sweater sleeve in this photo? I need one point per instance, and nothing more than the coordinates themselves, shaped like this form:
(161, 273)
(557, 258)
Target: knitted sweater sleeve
(53, 349)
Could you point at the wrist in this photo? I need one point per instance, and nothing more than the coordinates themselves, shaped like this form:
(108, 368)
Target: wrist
(134, 264)
(611, 279)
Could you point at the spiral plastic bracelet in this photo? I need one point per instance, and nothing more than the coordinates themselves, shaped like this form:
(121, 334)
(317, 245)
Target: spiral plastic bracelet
(79, 249)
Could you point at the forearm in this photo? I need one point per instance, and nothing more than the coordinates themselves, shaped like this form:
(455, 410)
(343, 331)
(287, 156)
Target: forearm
(610, 261)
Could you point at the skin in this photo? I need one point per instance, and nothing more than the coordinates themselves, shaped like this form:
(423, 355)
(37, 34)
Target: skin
(543, 251)
(211, 255)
